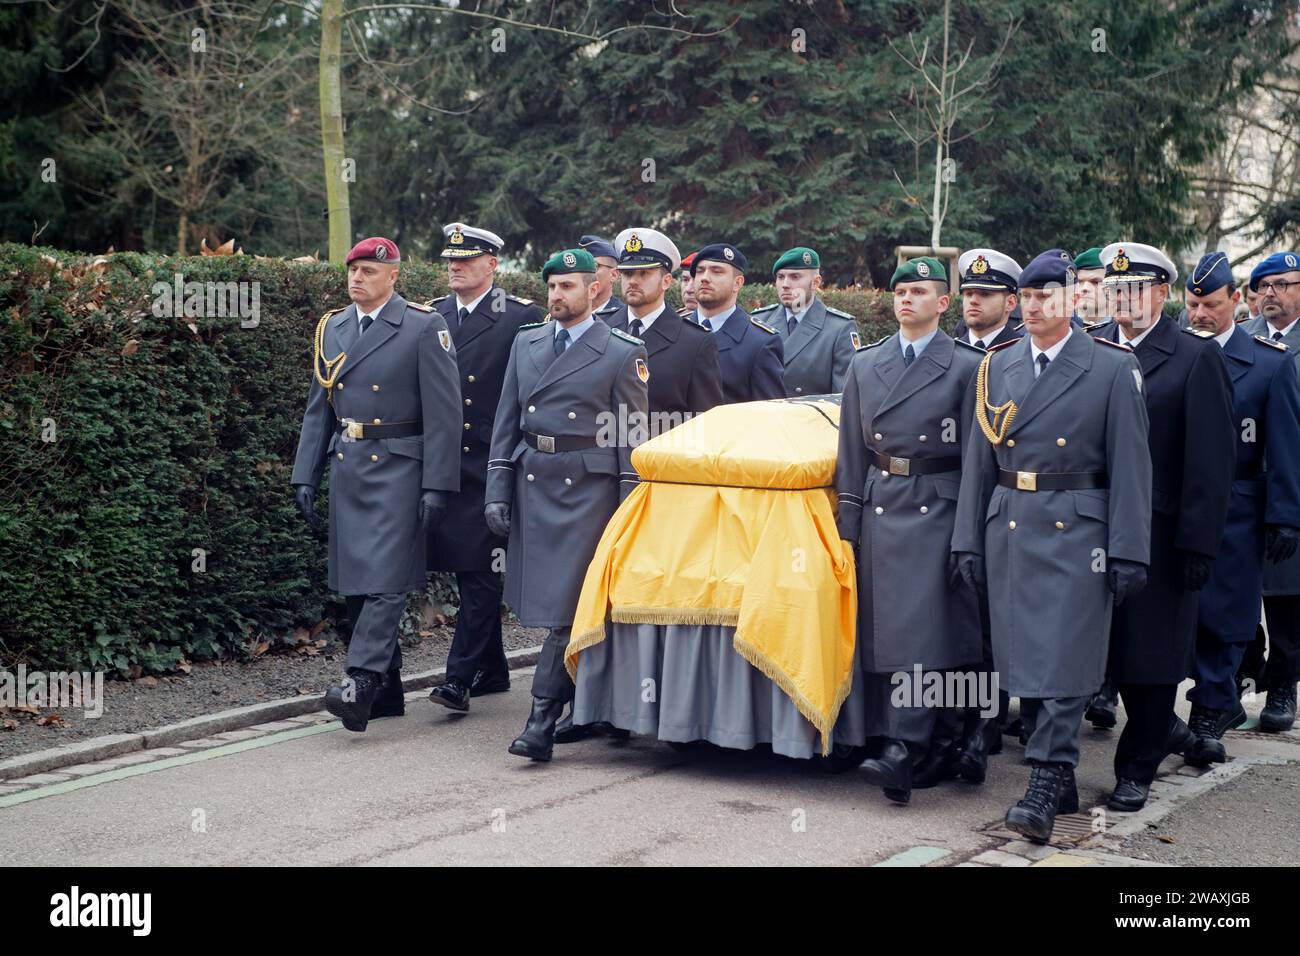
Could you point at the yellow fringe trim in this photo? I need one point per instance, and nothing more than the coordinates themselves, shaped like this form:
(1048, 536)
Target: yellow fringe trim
(823, 722)
(673, 615)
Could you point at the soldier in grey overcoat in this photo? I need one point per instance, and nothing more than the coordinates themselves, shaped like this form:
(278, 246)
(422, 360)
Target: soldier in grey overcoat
(384, 412)
(904, 420)
(573, 406)
(1056, 504)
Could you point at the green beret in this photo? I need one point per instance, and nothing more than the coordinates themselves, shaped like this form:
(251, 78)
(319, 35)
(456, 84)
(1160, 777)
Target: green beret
(570, 260)
(1089, 259)
(920, 269)
(800, 257)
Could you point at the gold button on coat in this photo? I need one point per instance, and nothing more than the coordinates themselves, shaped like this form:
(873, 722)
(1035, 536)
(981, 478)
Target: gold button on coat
(340, 456)
(374, 388)
(1011, 525)
(1011, 443)
(1060, 526)
(374, 458)
(1061, 442)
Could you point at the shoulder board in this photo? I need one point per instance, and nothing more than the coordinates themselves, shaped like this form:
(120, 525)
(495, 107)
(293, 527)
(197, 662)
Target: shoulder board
(842, 315)
(1200, 333)
(875, 343)
(421, 306)
(765, 328)
(966, 345)
(1095, 326)
(521, 301)
(683, 312)
(533, 325)
(1114, 345)
(766, 308)
(439, 299)
(1000, 346)
(1264, 340)
(333, 312)
(625, 337)
(1018, 328)
(693, 325)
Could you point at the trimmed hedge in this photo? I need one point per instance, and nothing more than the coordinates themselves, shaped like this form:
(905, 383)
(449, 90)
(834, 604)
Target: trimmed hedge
(131, 439)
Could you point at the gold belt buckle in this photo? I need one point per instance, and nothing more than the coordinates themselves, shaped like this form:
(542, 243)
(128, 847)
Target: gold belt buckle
(355, 430)
(546, 443)
(899, 466)
(1027, 480)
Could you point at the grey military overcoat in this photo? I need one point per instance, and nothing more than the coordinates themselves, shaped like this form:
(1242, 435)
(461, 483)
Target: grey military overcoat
(817, 355)
(403, 369)
(907, 613)
(560, 501)
(1046, 552)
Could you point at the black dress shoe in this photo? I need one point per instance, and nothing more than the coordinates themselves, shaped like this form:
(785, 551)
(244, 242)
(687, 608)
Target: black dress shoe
(538, 737)
(1129, 796)
(389, 702)
(1209, 726)
(452, 694)
(938, 764)
(973, 764)
(351, 702)
(1101, 709)
(892, 771)
(567, 732)
(1180, 737)
(1278, 715)
(1035, 813)
(482, 684)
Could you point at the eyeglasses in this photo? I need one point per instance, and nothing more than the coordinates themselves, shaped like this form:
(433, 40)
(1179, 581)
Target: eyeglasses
(1280, 285)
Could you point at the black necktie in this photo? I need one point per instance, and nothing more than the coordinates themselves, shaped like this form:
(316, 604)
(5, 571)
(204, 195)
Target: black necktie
(1277, 336)
(636, 328)
(561, 341)
(1042, 362)
(461, 316)
(909, 356)
(980, 345)
(366, 321)
(791, 324)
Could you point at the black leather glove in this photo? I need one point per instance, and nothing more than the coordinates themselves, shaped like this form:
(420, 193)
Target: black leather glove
(1196, 571)
(971, 568)
(304, 496)
(433, 508)
(1126, 578)
(1280, 542)
(954, 572)
(497, 515)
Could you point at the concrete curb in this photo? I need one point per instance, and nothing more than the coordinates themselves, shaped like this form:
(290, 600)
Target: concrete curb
(116, 745)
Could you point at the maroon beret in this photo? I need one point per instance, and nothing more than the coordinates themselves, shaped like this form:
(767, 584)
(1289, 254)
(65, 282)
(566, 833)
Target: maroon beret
(377, 248)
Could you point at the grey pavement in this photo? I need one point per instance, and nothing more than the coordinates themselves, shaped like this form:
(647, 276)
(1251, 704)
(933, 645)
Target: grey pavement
(436, 788)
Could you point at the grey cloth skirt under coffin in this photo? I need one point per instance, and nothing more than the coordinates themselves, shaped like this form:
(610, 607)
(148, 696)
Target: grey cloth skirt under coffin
(685, 682)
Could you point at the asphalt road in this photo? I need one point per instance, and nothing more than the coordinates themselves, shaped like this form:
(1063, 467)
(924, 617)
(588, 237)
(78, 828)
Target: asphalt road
(435, 788)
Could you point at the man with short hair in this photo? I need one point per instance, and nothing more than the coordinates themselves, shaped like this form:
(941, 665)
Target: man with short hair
(1056, 499)
(689, 302)
(750, 354)
(818, 341)
(905, 419)
(987, 279)
(484, 320)
(1193, 446)
(554, 480)
(1277, 281)
(1090, 272)
(1264, 511)
(384, 413)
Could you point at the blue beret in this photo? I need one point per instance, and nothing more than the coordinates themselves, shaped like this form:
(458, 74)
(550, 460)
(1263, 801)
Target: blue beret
(1046, 268)
(598, 246)
(1275, 264)
(720, 252)
(1210, 274)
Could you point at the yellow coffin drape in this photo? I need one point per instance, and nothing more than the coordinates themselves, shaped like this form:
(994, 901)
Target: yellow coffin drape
(733, 523)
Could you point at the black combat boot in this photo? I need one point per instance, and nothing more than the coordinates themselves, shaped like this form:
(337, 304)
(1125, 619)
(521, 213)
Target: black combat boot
(1180, 737)
(1278, 715)
(1035, 814)
(1209, 726)
(892, 771)
(984, 739)
(538, 738)
(389, 702)
(567, 732)
(1129, 795)
(351, 702)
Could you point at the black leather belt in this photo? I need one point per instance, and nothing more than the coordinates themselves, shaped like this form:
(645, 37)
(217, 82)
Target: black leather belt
(550, 444)
(916, 466)
(1049, 481)
(358, 430)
